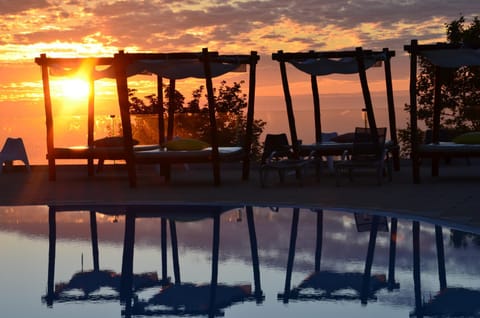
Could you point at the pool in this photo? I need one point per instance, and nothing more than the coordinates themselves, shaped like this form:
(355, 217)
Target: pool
(232, 261)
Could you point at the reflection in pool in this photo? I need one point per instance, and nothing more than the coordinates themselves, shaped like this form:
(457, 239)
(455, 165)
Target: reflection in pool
(233, 261)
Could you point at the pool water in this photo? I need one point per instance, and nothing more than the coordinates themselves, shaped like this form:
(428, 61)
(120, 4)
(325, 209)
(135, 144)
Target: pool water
(232, 261)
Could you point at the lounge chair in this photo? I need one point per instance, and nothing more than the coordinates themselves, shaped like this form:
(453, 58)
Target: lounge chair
(278, 155)
(12, 150)
(366, 153)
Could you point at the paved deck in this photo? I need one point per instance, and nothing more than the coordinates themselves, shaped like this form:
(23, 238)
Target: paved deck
(455, 195)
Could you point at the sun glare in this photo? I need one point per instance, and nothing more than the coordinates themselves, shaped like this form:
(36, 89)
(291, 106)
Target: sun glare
(76, 89)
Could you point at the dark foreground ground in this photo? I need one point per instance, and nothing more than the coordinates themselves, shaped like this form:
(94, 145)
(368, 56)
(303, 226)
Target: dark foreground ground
(455, 195)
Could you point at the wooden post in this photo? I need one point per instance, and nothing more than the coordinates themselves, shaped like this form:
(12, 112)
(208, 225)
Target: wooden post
(165, 168)
(366, 93)
(288, 103)
(316, 109)
(171, 109)
(160, 111)
(250, 115)
(91, 118)
(120, 64)
(48, 118)
(213, 121)
(437, 100)
(413, 112)
(391, 110)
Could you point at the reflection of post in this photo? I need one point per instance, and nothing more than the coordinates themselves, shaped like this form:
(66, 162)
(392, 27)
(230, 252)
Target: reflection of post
(215, 250)
(416, 268)
(442, 276)
(174, 242)
(52, 239)
(94, 235)
(254, 252)
(369, 261)
(319, 243)
(291, 253)
(393, 248)
(163, 224)
(126, 283)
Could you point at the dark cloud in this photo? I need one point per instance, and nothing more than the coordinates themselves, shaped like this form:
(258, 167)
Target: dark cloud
(153, 24)
(17, 6)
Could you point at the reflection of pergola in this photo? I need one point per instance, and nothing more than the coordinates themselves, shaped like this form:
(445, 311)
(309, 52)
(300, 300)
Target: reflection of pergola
(442, 56)
(181, 298)
(340, 62)
(450, 301)
(329, 285)
(175, 66)
(177, 298)
(87, 286)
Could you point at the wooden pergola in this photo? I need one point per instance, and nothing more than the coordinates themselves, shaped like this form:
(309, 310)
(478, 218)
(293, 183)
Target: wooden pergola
(67, 67)
(174, 66)
(441, 55)
(345, 62)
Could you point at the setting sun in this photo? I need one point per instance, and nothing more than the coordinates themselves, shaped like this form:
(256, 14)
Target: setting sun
(77, 89)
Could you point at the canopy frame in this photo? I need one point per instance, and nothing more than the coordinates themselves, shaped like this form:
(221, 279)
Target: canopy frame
(433, 53)
(360, 55)
(121, 62)
(47, 64)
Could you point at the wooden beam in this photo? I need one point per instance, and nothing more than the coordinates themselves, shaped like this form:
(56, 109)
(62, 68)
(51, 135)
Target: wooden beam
(132, 57)
(285, 56)
(72, 62)
(429, 47)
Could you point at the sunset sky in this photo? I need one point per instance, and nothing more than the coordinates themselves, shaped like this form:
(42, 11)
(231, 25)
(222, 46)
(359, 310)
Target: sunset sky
(101, 28)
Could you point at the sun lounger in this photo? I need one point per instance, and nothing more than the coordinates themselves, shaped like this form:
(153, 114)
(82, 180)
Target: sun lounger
(12, 150)
(366, 153)
(279, 156)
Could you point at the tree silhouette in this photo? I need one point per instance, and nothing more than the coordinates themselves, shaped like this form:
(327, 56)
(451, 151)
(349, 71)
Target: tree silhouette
(192, 117)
